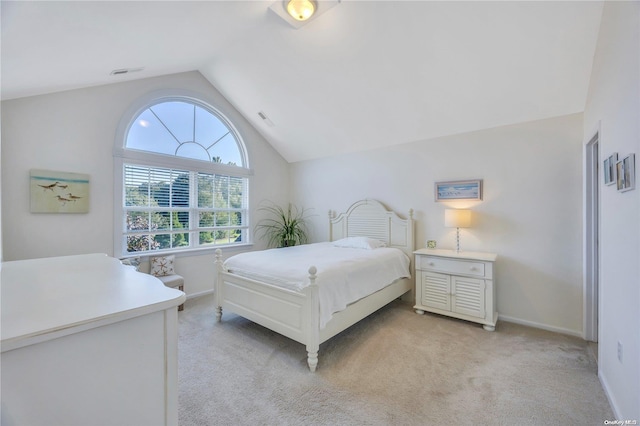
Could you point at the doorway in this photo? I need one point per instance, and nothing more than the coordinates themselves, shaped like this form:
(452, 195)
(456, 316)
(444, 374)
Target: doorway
(592, 232)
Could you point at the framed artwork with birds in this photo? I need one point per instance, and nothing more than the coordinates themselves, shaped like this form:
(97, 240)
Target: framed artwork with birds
(59, 192)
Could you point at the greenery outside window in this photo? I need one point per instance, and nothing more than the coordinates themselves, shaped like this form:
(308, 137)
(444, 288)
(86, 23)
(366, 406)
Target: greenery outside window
(184, 180)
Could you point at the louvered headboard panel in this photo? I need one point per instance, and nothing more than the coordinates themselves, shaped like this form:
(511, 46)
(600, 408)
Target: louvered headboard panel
(370, 218)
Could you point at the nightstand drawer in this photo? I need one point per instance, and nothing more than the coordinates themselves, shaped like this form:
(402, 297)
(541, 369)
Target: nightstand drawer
(451, 266)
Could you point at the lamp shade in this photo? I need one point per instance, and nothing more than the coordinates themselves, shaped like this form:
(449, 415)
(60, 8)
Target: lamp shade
(455, 218)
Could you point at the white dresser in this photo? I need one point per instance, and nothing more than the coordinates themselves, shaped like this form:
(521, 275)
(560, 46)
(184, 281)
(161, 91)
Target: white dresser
(457, 284)
(87, 341)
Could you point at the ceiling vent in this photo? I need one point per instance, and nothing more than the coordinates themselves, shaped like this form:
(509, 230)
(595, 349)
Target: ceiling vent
(125, 71)
(266, 119)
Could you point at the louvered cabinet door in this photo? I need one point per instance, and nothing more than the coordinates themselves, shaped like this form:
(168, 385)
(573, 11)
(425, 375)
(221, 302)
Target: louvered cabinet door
(436, 290)
(468, 296)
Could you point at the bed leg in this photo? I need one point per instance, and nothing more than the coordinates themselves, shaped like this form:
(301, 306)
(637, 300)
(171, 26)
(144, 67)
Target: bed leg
(312, 360)
(312, 312)
(217, 285)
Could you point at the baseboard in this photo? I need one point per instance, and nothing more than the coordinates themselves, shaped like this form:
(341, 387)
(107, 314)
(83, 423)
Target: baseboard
(501, 317)
(199, 294)
(607, 392)
(533, 324)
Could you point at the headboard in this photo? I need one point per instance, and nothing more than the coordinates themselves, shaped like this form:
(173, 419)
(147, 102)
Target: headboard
(370, 218)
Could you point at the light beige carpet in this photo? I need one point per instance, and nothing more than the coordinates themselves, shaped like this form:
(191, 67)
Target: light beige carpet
(393, 368)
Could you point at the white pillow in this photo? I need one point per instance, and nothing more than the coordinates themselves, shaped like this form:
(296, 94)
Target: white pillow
(131, 261)
(162, 266)
(359, 242)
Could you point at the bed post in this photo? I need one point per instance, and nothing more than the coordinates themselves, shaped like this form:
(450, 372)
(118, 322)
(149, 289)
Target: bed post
(217, 288)
(313, 341)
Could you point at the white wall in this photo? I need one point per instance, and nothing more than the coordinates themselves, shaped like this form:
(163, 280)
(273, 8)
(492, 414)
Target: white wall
(530, 216)
(614, 103)
(75, 131)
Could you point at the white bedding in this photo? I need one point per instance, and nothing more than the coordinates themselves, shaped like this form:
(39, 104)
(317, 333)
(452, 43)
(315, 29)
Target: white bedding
(345, 275)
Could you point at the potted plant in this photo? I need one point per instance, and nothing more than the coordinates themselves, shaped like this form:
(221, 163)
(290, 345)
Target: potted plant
(284, 228)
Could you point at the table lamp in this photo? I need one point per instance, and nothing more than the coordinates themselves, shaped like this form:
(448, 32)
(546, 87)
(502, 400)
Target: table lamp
(457, 218)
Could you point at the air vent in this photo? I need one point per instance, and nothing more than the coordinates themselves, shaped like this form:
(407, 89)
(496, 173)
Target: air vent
(266, 119)
(125, 71)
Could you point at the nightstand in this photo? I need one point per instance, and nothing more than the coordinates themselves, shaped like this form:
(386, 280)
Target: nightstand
(457, 284)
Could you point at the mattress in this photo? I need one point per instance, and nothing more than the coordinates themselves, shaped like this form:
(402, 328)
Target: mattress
(345, 275)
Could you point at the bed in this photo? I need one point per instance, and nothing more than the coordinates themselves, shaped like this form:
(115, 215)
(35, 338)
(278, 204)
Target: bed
(296, 311)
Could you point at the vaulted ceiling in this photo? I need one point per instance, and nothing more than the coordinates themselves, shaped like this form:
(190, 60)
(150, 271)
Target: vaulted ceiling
(363, 75)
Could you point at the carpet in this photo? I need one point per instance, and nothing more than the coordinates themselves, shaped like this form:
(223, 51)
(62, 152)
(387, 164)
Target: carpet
(393, 368)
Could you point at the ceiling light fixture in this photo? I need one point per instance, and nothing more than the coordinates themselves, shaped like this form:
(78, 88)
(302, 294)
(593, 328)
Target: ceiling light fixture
(300, 10)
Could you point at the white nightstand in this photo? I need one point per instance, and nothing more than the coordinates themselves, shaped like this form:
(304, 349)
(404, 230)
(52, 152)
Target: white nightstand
(457, 284)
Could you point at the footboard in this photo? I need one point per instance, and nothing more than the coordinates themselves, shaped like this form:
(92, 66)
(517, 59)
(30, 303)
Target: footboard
(291, 313)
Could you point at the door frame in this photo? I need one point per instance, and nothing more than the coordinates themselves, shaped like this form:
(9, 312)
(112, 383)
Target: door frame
(591, 238)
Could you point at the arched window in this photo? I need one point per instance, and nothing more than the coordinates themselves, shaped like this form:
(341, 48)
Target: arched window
(185, 129)
(184, 182)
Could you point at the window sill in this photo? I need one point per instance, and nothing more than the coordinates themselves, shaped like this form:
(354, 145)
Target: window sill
(189, 252)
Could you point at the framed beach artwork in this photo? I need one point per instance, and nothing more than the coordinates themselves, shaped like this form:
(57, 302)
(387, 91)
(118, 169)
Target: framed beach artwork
(626, 170)
(58, 192)
(459, 190)
(609, 169)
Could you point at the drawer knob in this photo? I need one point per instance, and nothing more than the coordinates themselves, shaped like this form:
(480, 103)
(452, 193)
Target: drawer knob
(473, 268)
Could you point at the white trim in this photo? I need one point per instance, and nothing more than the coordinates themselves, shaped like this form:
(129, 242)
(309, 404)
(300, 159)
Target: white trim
(575, 333)
(175, 162)
(591, 235)
(199, 294)
(607, 391)
(118, 200)
(202, 251)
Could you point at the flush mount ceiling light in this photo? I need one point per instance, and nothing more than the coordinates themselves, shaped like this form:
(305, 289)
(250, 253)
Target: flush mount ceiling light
(299, 12)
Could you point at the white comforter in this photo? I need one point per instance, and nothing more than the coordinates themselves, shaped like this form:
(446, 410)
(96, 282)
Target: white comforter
(344, 275)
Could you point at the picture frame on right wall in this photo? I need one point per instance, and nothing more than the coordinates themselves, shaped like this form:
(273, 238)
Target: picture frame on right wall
(626, 173)
(609, 169)
(458, 190)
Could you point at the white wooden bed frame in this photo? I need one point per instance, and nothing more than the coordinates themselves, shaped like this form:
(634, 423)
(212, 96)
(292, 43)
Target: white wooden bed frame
(296, 314)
